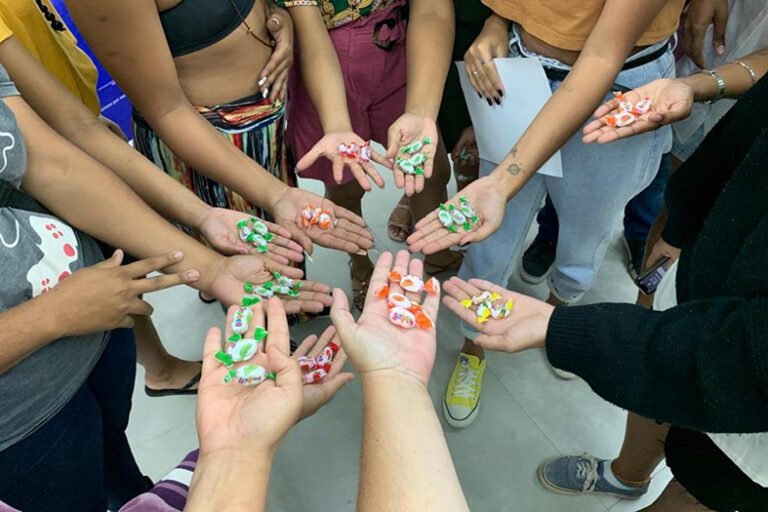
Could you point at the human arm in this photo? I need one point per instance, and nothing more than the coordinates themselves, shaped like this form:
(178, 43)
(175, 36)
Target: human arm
(322, 77)
(240, 427)
(88, 196)
(102, 297)
(405, 464)
(673, 99)
(700, 365)
(698, 15)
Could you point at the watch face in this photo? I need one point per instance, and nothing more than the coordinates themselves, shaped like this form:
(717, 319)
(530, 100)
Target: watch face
(649, 281)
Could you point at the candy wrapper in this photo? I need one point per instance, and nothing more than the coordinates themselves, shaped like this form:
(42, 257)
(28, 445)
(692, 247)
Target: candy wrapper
(485, 309)
(451, 217)
(248, 375)
(316, 217)
(241, 320)
(404, 312)
(628, 112)
(353, 151)
(255, 231)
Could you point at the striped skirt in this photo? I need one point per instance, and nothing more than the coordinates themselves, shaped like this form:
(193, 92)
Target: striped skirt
(254, 125)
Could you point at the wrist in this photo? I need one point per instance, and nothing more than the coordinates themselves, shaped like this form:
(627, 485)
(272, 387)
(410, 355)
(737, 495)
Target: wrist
(506, 182)
(391, 379)
(494, 20)
(200, 213)
(704, 87)
(60, 319)
(422, 111)
(275, 197)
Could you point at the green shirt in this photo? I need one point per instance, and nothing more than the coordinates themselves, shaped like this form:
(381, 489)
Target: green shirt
(339, 12)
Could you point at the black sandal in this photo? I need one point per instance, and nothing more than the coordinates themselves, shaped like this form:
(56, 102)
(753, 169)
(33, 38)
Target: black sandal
(184, 390)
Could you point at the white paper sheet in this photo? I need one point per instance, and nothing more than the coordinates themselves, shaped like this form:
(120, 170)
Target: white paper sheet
(498, 127)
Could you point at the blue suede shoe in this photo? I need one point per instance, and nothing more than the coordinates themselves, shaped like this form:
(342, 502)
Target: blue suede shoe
(583, 474)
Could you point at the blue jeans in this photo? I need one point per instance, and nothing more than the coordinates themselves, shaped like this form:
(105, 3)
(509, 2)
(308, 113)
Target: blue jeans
(598, 181)
(80, 459)
(639, 215)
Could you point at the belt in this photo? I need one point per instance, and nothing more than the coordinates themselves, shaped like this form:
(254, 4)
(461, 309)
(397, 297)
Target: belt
(558, 75)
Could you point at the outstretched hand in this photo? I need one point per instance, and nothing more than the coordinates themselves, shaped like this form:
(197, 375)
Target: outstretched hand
(486, 196)
(524, 328)
(672, 101)
(233, 418)
(407, 129)
(373, 343)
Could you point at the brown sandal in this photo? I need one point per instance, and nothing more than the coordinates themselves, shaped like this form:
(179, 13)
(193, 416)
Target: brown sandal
(359, 286)
(400, 222)
(454, 263)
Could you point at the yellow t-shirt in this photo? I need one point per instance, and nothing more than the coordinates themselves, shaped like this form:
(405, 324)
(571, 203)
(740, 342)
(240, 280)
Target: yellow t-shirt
(57, 50)
(566, 24)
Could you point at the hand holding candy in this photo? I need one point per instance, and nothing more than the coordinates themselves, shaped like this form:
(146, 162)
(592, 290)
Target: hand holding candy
(523, 326)
(106, 296)
(374, 343)
(485, 199)
(229, 283)
(412, 137)
(235, 418)
(347, 234)
(670, 101)
(317, 394)
(335, 147)
(220, 228)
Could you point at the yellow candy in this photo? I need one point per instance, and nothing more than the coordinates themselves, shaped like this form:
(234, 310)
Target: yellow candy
(495, 296)
(509, 305)
(467, 303)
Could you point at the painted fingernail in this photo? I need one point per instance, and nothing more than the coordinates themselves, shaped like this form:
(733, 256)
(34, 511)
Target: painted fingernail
(490, 104)
(464, 244)
(501, 93)
(720, 50)
(497, 100)
(362, 252)
(265, 93)
(192, 274)
(479, 95)
(262, 81)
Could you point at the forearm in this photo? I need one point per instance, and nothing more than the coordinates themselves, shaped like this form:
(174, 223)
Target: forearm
(429, 49)
(88, 196)
(320, 70)
(697, 365)
(599, 63)
(25, 329)
(737, 79)
(406, 464)
(229, 483)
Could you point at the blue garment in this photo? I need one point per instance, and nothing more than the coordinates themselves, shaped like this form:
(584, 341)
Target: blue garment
(80, 459)
(639, 215)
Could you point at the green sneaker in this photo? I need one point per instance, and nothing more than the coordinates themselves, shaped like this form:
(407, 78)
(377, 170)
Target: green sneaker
(462, 397)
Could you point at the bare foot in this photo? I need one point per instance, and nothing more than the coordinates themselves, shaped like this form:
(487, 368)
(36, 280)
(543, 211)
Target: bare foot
(176, 374)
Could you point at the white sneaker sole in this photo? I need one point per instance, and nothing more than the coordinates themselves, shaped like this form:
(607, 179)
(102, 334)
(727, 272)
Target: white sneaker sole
(459, 423)
(528, 278)
(571, 492)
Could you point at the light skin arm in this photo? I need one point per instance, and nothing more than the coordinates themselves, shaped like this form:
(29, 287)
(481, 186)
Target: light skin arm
(129, 41)
(737, 79)
(75, 122)
(620, 24)
(398, 454)
(215, 473)
(429, 45)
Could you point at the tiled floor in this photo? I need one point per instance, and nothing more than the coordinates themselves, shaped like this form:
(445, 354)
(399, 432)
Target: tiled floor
(528, 415)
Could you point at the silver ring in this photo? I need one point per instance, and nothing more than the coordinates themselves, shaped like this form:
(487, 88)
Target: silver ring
(475, 72)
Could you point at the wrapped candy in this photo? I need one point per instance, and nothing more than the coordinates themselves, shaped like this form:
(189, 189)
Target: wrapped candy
(402, 318)
(642, 107)
(248, 375)
(432, 286)
(415, 146)
(250, 300)
(309, 216)
(412, 284)
(324, 220)
(259, 226)
(398, 300)
(445, 218)
(468, 210)
(628, 112)
(485, 308)
(314, 376)
(241, 320)
(364, 155)
(243, 350)
(382, 292)
(334, 346)
(307, 364)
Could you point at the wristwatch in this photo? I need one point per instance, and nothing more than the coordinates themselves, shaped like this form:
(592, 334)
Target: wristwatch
(720, 83)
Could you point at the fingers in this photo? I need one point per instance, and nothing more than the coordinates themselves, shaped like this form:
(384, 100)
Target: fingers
(371, 171)
(139, 307)
(492, 73)
(228, 322)
(359, 174)
(432, 304)
(719, 22)
(394, 137)
(288, 271)
(467, 289)
(401, 267)
(113, 261)
(211, 345)
(381, 160)
(338, 169)
(299, 236)
(257, 320)
(280, 86)
(308, 159)
(305, 347)
(379, 277)
(415, 268)
(322, 342)
(343, 213)
(162, 282)
(127, 322)
(291, 251)
(341, 317)
(466, 315)
(273, 256)
(143, 267)
(277, 323)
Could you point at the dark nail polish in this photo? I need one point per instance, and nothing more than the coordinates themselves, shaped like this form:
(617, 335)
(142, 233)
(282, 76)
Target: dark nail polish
(479, 95)
(497, 100)
(501, 93)
(464, 244)
(490, 103)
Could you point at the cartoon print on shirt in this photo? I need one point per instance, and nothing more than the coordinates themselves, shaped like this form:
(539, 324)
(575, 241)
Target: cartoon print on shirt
(59, 247)
(5, 136)
(11, 245)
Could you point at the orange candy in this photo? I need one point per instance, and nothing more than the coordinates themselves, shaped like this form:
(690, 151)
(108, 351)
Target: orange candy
(395, 276)
(382, 292)
(422, 320)
(432, 286)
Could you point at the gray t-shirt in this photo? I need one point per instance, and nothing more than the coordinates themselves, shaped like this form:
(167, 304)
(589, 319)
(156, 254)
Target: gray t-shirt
(36, 252)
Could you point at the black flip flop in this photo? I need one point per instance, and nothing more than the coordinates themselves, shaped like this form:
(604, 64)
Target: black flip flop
(207, 301)
(184, 390)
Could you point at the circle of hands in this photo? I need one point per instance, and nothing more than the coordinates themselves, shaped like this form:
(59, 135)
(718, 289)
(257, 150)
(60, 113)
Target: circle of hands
(255, 418)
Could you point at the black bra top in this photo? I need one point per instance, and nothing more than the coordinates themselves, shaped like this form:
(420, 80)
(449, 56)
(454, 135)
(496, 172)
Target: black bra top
(193, 25)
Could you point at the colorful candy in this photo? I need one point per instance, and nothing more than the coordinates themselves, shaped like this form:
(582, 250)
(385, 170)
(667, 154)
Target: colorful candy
(465, 215)
(314, 376)
(628, 112)
(316, 217)
(243, 350)
(248, 375)
(256, 233)
(402, 317)
(415, 146)
(485, 308)
(241, 320)
(353, 151)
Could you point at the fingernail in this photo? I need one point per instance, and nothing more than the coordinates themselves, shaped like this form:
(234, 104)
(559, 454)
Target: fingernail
(464, 244)
(362, 252)
(501, 93)
(490, 104)
(262, 81)
(497, 100)
(192, 275)
(177, 255)
(265, 94)
(479, 95)
(720, 50)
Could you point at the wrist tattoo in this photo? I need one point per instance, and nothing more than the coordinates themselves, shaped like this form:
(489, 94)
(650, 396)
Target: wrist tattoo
(514, 168)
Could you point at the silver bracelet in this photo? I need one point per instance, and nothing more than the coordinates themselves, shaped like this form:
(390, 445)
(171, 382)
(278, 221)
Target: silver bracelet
(720, 83)
(749, 69)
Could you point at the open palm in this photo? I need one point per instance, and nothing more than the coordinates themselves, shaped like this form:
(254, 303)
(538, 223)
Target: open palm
(373, 343)
(407, 129)
(524, 328)
(486, 196)
(232, 416)
(671, 101)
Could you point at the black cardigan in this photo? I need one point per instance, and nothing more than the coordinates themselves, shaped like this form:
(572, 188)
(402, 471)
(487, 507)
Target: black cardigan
(703, 364)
